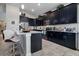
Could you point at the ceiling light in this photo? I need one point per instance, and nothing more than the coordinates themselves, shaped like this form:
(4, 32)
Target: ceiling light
(38, 4)
(32, 10)
(19, 13)
(22, 6)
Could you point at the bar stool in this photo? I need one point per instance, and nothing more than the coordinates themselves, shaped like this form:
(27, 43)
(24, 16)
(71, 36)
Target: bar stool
(11, 36)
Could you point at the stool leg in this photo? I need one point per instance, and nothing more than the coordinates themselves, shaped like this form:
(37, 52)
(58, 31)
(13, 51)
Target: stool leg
(13, 47)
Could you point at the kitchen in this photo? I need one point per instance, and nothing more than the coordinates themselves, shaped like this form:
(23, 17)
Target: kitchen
(40, 23)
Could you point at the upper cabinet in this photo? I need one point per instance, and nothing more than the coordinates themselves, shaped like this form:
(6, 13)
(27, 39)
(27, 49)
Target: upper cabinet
(32, 22)
(65, 15)
(23, 19)
(39, 22)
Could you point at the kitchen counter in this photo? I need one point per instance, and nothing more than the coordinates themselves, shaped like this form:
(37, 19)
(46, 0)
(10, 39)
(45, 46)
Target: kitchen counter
(62, 31)
(30, 32)
(28, 40)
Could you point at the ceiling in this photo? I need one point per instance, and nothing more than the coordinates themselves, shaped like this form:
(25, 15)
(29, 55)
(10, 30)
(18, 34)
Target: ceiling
(38, 10)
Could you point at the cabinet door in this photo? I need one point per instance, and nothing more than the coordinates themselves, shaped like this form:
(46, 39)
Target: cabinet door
(23, 19)
(32, 22)
(39, 22)
(36, 42)
(58, 38)
(69, 39)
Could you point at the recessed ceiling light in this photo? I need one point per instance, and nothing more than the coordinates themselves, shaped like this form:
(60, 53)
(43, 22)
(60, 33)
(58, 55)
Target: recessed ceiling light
(33, 10)
(22, 6)
(19, 13)
(38, 4)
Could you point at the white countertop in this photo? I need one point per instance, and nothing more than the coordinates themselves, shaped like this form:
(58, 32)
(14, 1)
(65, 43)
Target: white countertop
(63, 31)
(30, 32)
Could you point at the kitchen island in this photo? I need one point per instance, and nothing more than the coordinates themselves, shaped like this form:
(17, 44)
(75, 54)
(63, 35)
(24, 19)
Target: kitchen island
(32, 41)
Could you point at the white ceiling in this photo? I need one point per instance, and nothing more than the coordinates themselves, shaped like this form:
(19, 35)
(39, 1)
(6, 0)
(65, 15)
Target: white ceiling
(39, 10)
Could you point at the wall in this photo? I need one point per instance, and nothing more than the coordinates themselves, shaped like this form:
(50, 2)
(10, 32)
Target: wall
(78, 17)
(2, 11)
(12, 14)
(77, 40)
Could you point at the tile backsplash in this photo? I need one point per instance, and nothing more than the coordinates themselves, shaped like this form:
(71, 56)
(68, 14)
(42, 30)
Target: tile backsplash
(63, 27)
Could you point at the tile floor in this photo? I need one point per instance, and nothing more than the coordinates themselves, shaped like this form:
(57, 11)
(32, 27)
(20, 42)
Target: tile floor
(53, 49)
(4, 47)
(48, 49)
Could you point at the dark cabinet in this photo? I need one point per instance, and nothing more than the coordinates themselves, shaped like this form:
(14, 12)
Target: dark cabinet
(36, 42)
(39, 22)
(69, 39)
(62, 38)
(35, 22)
(65, 15)
(23, 19)
(32, 22)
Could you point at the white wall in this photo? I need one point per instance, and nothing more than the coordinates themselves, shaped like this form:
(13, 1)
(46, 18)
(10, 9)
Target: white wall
(12, 14)
(2, 11)
(77, 37)
(78, 17)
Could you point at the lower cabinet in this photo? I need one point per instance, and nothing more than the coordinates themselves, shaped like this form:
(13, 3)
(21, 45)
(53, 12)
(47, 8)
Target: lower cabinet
(63, 38)
(69, 39)
(36, 42)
